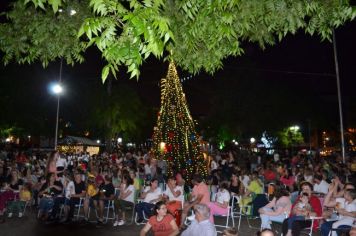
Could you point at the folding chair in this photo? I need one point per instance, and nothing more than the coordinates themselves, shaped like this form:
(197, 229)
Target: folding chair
(144, 215)
(110, 206)
(309, 231)
(79, 206)
(242, 211)
(136, 193)
(228, 215)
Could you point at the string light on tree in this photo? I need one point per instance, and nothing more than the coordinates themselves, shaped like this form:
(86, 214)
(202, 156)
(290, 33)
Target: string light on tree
(174, 137)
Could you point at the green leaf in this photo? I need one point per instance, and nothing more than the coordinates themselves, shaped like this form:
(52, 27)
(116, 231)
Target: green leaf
(105, 73)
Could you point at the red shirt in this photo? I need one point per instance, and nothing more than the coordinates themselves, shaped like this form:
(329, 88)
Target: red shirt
(163, 227)
(269, 175)
(316, 205)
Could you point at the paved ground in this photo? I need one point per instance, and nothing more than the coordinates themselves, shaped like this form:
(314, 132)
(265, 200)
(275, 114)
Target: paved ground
(29, 226)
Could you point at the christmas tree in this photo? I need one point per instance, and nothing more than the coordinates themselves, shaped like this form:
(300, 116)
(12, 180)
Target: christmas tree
(174, 137)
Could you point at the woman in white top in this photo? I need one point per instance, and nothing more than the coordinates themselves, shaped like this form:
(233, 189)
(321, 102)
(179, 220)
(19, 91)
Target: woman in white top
(345, 207)
(277, 209)
(126, 199)
(174, 195)
(221, 204)
(150, 195)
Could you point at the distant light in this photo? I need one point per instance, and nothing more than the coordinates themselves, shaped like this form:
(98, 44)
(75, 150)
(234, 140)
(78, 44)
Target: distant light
(233, 140)
(29, 137)
(8, 140)
(236, 143)
(57, 89)
(119, 140)
(252, 140)
(60, 10)
(98, 141)
(294, 128)
(72, 12)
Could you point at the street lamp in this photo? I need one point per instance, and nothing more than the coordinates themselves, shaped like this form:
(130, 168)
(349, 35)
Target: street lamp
(252, 140)
(57, 89)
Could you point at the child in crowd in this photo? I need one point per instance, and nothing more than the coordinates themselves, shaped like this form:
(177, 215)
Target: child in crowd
(302, 205)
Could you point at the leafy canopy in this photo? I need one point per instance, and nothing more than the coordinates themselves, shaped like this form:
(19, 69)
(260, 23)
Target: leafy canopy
(196, 34)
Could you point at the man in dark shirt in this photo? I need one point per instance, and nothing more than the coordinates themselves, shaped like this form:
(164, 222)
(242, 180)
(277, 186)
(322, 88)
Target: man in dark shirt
(80, 191)
(106, 193)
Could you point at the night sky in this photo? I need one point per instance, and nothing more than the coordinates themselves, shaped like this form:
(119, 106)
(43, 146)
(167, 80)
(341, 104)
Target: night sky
(288, 83)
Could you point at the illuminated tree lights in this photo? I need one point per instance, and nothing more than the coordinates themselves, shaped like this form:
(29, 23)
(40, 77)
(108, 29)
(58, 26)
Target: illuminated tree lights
(174, 137)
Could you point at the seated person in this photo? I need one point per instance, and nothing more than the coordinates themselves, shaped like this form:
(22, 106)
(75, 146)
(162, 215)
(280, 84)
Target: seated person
(173, 195)
(125, 199)
(255, 187)
(150, 196)
(161, 223)
(320, 185)
(345, 207)
(201, 225)
(221, 205)
(49, 191)
(316, 210)
(74, 191)
(106, 193)
(302, 209)
(277, 209)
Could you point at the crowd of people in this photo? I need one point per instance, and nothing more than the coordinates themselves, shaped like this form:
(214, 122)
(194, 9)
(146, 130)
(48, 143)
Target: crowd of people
(296, 191)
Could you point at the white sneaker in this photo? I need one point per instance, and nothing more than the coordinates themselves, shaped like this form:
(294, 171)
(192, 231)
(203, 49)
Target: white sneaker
(116, 223)
(9, 215)
(121, 222)
(20, 214)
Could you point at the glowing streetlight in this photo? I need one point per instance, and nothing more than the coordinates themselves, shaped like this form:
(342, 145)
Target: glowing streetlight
(252, 140)
(98, 141)
(57, 89)
(119, 140)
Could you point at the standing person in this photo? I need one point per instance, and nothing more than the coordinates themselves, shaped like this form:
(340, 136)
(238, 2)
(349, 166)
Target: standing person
(162, 224)
(126, 199)
(200, 194)
(201, 225)
(51, 163)
(277, 209)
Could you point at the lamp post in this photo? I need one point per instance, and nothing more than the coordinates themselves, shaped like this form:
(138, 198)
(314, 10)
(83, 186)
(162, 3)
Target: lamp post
(57, 89)
(339, 98)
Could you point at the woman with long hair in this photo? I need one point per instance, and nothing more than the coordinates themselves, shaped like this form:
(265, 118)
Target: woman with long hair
(277, 209)
(162, 224)
(126, 199)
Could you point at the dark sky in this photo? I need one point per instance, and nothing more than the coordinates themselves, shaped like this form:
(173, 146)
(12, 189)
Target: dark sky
(301, 66)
